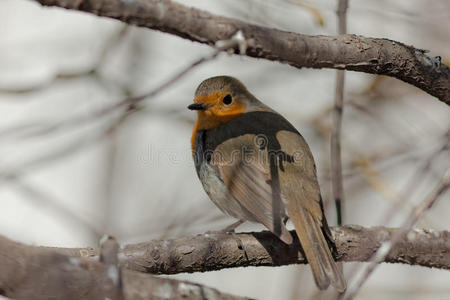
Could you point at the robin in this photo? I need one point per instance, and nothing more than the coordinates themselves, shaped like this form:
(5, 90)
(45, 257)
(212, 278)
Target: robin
(255, 166)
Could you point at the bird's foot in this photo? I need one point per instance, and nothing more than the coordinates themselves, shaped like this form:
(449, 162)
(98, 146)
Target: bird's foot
(229, 229)
(232, 227)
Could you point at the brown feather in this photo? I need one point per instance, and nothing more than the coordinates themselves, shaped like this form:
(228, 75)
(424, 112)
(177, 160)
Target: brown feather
(301, 190)
(247, 179)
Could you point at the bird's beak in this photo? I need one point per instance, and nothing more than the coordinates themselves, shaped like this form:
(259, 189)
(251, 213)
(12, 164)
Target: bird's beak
(198, 106)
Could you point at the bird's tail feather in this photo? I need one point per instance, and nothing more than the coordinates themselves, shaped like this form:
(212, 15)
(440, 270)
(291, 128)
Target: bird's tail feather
(324, 268)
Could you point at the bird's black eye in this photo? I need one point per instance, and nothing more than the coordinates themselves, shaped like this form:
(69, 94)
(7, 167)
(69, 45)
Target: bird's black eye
(227, 99)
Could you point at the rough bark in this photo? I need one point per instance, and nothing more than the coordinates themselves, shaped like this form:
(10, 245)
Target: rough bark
(215, 251)
(346, 52)
(29, 272)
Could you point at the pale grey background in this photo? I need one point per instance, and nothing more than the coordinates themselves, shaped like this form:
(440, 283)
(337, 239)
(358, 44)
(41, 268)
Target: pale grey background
(139, 182)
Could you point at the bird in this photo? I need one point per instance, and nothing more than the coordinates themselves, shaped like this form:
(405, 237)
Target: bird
(255, 166)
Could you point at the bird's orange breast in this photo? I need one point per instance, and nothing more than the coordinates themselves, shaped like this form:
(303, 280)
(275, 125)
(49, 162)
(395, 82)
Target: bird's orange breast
(217, 113)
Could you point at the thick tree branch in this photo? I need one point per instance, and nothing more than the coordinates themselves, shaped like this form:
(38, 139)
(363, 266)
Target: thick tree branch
(217, 251)
(347, 52)
(30, 272)
(37, 273)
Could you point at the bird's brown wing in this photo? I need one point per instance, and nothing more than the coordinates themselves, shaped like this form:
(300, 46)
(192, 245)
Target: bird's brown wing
(267, 183)
(245, 170)
(301, 192)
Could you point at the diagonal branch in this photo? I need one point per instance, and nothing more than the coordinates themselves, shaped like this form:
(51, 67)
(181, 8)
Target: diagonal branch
(401, 233)
(346, 52)
(215, 251)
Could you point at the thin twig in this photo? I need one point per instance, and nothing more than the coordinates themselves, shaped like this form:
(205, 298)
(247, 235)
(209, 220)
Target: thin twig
(403, 232)
(109, 256)
(401, 198)
(336, 162)
(414, 182)
(111, 43)
(45, 200)
(335, 143)
(236, 41)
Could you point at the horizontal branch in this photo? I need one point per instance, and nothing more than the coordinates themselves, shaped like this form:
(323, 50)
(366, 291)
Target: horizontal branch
(28, 272)
(349, 52)
(215, 251)
(82, 273)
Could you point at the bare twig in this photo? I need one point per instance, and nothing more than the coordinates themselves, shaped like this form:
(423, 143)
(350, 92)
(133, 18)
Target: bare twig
(342, 16)
(400, 199)
(401, 234)
(109, 256)
(111, 43)
(349, 52)
(335, 143)
(414, 182)
(336, 162)
(236, 41)
(44, 199)
(15, 171)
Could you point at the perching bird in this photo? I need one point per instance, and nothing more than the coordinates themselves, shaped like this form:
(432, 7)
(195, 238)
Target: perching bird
(255, 166)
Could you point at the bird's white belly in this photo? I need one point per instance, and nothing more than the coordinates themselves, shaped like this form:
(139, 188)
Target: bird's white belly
(220, 195)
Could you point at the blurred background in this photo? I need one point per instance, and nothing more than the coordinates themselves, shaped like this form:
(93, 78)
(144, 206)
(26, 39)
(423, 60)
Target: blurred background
(71, 170)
